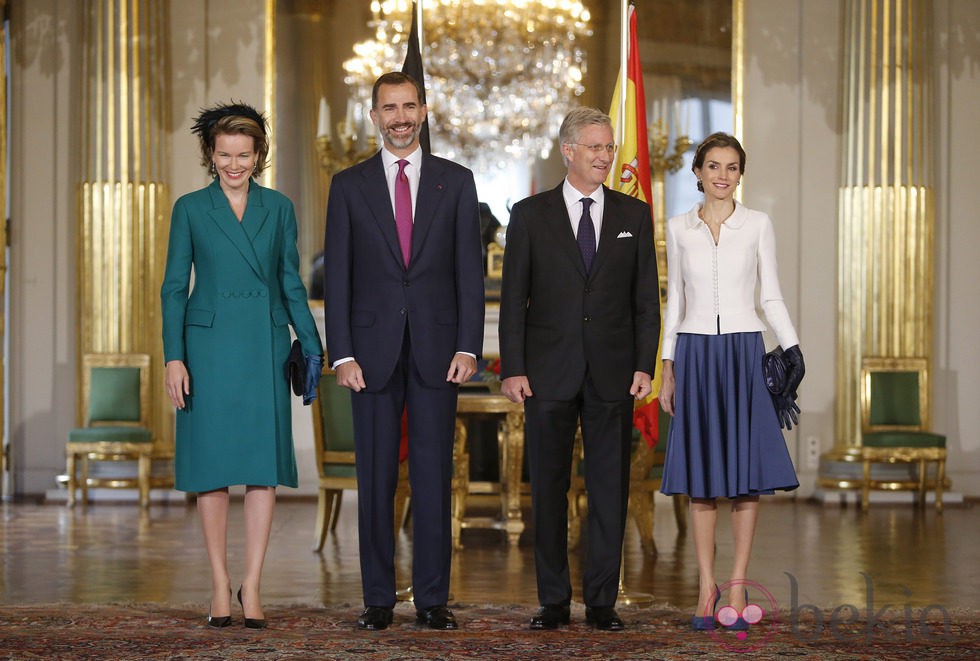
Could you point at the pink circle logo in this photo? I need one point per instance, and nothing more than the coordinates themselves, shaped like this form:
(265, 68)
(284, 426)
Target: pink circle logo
(749, 629)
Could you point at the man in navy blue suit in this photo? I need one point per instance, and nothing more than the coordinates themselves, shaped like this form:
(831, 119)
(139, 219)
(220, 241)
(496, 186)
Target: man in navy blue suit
(403, 301)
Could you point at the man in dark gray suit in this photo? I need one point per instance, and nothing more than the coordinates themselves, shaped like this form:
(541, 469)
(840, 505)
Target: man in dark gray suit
(403, 304)
(579, 327)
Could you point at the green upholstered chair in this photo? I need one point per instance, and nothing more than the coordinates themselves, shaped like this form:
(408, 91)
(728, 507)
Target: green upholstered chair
(895, 427)
(646, 473)
(333, 440)
(113, 414)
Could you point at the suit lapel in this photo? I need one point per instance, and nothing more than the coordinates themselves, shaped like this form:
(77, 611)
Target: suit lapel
(222, 216)
(374, 190)
(561, 228)
(432, 184)
(609, 232)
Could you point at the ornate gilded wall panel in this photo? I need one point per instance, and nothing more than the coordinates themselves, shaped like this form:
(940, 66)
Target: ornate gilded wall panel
(123, 200)
(4, 463)
(886, 206)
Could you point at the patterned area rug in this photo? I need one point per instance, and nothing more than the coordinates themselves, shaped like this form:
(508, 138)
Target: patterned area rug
(154, 631)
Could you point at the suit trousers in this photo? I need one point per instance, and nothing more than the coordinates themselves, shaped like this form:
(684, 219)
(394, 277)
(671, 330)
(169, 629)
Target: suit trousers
(606, 435)
(377, 435)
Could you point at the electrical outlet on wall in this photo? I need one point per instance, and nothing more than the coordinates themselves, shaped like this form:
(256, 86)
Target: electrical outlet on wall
(811, 450)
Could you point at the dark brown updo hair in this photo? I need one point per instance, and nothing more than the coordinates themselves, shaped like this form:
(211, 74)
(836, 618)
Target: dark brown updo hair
(231, 119)
(717, 140)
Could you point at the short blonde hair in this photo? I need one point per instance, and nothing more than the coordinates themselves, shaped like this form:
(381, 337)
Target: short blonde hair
(235, 118)
(575, 121)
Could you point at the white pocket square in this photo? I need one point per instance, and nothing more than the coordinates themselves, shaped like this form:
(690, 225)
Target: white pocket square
(625, 235)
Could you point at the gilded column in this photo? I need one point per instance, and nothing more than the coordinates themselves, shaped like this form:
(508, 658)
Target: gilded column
(4, 463)
(885, 204)
(123, 198)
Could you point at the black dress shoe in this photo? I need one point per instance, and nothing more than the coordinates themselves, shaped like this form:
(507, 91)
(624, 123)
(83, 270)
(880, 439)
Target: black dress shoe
(375, 618)
(604, 618)
(549, 617)
(436, 617)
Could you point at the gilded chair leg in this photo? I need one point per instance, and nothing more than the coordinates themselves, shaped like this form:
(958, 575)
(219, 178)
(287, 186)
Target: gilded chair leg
(322, 512)
(143, 479)
(458, 506)
(84, 479)
(404, 511)
(680, 512)
(575, 515)
(72, 480)
(336, 498)
(940, 483)
(922, 484)
(641, 510)
(865, 484)
(460, 493)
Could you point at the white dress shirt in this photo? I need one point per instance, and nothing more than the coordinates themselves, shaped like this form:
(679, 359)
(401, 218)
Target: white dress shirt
(412, 170)
(573, 202)
(711, 287)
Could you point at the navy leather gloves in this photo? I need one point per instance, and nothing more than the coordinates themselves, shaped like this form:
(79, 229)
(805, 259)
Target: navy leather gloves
(314, 365)
(785, 402)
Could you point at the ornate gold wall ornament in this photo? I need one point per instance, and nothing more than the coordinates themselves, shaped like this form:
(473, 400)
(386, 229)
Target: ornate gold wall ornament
(123, 200)
(885, 202)
(4, 447)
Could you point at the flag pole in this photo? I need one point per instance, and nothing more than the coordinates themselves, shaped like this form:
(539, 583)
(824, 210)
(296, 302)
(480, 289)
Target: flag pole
(623, 58)
(418, 16)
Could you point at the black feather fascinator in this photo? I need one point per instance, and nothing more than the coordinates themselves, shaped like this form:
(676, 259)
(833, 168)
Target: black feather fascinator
(210, 116)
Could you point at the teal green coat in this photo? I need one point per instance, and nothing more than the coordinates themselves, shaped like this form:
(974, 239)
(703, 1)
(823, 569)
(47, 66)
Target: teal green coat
(232, 333)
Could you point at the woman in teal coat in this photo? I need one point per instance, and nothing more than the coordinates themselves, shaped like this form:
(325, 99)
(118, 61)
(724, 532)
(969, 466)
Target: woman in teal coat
(226, 343)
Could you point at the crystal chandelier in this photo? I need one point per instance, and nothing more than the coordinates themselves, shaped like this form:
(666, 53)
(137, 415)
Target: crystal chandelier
(500, 75)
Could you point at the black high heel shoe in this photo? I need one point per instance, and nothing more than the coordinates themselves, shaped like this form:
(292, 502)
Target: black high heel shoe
(218, 622)
(250, 623)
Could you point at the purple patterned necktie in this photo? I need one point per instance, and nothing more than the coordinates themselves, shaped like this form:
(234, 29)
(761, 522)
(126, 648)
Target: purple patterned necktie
(586, 234)
(403, 211)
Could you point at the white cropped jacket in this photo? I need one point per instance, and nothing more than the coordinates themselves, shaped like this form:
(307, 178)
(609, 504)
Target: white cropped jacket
(710, 288)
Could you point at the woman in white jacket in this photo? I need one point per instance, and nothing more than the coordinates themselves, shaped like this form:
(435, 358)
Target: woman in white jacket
(725, 439)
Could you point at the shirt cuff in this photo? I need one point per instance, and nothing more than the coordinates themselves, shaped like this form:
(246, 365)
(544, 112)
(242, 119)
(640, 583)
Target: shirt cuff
(341, 361)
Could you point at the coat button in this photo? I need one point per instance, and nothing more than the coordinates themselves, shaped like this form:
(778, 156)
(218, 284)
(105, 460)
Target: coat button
(588, 318)
(406, 283)
(402, 311)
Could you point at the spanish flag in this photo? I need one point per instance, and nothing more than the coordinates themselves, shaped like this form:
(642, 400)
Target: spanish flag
(631, 175)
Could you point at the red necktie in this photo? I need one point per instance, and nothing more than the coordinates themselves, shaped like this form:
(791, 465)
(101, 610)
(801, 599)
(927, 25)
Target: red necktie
(403, 211)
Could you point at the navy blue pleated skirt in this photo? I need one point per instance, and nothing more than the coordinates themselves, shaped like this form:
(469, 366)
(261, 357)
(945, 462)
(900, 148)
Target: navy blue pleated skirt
(724, 439)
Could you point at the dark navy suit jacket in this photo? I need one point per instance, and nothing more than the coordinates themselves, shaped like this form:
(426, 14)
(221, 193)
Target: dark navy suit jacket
(369, 295)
